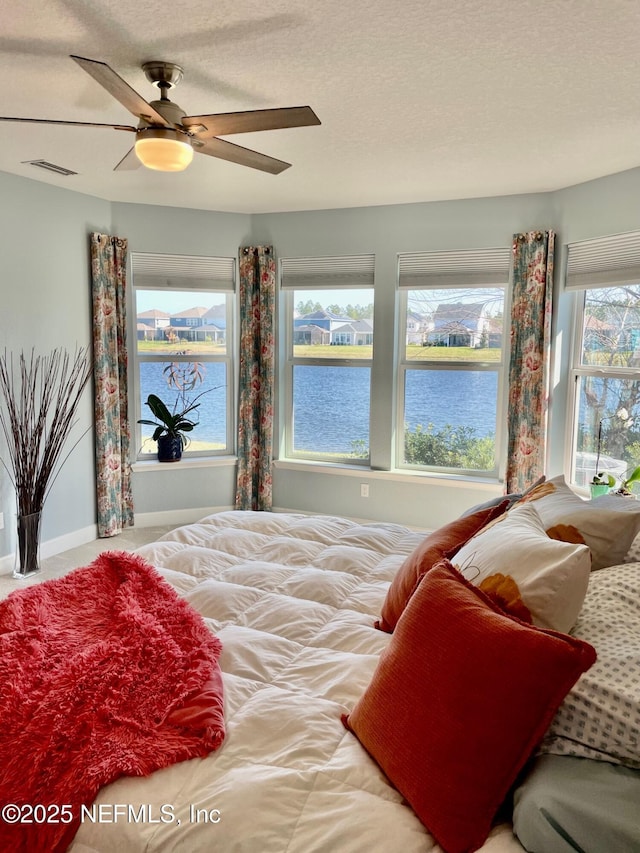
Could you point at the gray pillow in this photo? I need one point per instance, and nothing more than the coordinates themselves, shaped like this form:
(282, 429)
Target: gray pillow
(492, 503)
(567, 804)
(512, 498)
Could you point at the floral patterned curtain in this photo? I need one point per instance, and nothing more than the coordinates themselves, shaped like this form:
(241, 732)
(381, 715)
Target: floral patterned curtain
(530, 354)
(255, 419)
(113, 472)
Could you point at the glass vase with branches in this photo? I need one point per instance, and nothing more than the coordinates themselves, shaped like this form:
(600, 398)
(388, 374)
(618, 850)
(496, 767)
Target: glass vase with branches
(39, 398)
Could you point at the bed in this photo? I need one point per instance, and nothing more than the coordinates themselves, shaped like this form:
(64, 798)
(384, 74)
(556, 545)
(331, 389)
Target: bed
(299, 605)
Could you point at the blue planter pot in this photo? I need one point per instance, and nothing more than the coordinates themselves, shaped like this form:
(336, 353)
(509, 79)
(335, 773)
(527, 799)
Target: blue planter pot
(169, 448)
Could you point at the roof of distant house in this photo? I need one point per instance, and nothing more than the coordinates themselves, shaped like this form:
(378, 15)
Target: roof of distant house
(357, 326)
(311, 327)
(197, 311)
(452, 328)
(598, 325)
(218, 311)
(459, 310)
(153, 314)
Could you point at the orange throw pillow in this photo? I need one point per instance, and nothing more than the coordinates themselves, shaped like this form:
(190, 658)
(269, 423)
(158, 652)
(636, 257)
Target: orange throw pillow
(446, 541)
(460, 699)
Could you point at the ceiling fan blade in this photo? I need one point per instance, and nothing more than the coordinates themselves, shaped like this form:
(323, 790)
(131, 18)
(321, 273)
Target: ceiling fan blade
(221, 124)
(243, 156)
(121, 90)
(129, 161)
(71, 123)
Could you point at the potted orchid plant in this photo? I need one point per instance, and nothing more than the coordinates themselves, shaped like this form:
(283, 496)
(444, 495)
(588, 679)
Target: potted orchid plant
(172, 425)
(634, 477)
(603, 482)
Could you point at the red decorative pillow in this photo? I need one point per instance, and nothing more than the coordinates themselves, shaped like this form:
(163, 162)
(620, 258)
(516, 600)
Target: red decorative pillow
(460, 699)
(444, 542)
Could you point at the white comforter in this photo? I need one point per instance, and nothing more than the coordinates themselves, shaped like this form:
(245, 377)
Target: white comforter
(293, 600)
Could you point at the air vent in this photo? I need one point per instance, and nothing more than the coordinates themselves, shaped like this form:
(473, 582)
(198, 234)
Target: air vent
(50, 167)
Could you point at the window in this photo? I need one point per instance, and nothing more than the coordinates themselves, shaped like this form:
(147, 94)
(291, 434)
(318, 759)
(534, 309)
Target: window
(329, 321)
(451, 360)
(184, 333)
(606, 275)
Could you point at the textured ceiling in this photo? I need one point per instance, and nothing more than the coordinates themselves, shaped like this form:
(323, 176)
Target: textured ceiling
(419, 100)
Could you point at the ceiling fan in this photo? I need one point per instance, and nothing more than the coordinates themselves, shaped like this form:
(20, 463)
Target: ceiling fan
(166, 138)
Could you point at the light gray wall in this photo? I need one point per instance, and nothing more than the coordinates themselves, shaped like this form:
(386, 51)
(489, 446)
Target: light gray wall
(163, 488)
(46, 302)
(608, 205)
(385, 231)
(176, 231)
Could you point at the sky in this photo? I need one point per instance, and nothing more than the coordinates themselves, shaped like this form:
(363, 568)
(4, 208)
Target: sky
(175, 301)
(335, 296)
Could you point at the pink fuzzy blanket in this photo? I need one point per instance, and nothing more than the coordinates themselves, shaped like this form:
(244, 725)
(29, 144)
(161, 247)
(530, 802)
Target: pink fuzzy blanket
(103, 673)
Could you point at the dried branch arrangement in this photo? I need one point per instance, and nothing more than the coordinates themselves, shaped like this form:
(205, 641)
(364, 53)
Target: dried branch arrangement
(39, 398)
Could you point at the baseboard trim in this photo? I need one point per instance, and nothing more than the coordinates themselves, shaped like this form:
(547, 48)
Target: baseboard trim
(51, 547)
(175, 517)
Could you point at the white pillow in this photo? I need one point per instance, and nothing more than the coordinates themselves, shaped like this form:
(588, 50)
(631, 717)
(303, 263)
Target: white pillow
(539, 579)
(608, 524)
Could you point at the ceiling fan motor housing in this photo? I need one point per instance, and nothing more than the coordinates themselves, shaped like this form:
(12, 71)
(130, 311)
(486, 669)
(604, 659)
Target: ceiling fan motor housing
(168, 110)
(164, 75)
(155, 145)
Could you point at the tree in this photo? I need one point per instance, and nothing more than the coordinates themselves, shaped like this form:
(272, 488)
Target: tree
(449, 447)
(611, 335)
(355, 312)
(308, 307)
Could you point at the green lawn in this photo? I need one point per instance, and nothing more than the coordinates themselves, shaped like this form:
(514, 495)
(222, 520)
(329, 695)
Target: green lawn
(599, 358)
(418, 353)
(187, 347)
(327, 351)
(414, 353)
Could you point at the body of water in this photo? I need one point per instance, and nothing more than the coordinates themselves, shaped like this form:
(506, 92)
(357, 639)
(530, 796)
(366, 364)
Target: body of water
(212, 412)
(332, 404)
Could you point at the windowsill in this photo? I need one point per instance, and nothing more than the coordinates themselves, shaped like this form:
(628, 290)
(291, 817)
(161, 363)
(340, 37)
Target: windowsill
(143, 466)
(329, 468)
(395, 474)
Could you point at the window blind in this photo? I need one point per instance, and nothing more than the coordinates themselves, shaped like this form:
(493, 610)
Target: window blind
(183, 271)
(605, 262)
(344, 271)
(458, 268)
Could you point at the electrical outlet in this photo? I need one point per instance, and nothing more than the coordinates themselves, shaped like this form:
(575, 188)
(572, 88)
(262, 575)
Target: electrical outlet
(364, 490)
(1, 521)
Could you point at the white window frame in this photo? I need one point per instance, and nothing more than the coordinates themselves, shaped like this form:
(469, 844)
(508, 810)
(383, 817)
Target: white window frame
(604, 262)
(352, 272)
(440, 270)
(579, 372)
(211, 275)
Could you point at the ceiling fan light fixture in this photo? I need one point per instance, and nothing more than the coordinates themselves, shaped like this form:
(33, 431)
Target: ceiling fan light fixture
(164, 150)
